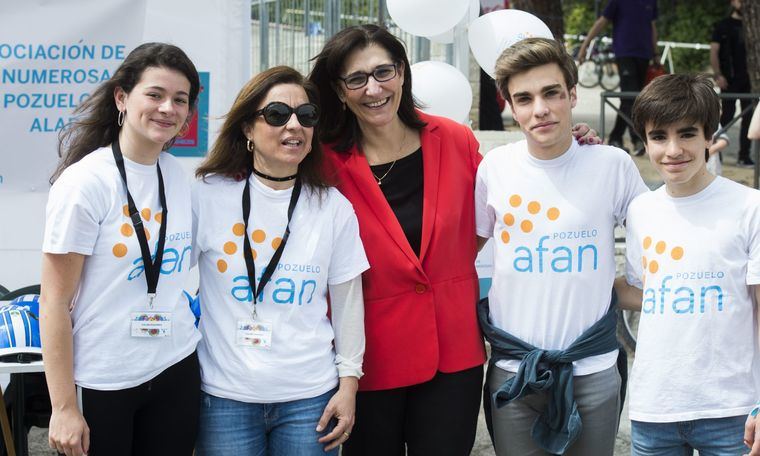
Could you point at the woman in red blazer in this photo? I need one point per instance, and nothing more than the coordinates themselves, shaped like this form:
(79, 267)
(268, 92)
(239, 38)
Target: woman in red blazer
(410, 178)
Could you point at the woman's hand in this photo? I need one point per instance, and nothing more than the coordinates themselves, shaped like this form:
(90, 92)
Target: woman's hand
(752, 435)
(68, 432)
(342, 407)
(585, 134)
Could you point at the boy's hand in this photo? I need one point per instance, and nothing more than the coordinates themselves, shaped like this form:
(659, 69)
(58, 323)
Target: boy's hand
(752, 434)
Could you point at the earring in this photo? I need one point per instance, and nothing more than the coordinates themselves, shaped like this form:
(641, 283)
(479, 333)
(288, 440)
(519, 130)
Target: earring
(120, 118)
(249, 145)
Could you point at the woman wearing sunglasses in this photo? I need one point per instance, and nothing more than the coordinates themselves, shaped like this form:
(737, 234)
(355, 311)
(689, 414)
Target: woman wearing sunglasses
(411, 179)
(279, 375)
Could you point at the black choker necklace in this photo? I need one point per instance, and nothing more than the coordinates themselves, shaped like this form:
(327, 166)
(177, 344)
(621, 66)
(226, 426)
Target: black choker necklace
(272, 178)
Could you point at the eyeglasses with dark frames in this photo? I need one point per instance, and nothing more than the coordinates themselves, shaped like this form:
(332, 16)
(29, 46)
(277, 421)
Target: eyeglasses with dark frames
(278, 114)
(359, 79)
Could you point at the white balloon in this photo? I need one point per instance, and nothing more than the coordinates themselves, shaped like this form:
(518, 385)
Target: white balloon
(447, 37)
(491, 33)
(426, 17)
(442, 90)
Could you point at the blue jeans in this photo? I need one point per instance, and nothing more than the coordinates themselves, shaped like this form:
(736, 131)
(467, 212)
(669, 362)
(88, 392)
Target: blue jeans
(229, 427)
(711, 437)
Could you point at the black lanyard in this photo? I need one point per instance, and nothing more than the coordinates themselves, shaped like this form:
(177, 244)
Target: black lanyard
(152, 268)
(249, 263)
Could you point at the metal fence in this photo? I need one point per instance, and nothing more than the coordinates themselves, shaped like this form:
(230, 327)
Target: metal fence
(291, 32)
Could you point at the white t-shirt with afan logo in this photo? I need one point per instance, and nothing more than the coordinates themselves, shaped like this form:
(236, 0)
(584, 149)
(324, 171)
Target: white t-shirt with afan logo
(324, 248)
(694, 259)
(552, 222)
(87, 214)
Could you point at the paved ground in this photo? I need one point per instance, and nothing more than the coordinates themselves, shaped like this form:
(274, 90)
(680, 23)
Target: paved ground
(587, 111)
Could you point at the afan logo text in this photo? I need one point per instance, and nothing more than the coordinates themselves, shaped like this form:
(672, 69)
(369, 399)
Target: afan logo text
(657, 257)
(559, 258)
(286, 290)
(173, 259)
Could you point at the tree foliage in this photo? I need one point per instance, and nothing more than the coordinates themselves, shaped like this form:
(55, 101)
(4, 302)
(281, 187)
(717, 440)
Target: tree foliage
(752, 39)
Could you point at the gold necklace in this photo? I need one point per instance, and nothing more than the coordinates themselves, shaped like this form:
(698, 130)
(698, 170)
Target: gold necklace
(380, 179)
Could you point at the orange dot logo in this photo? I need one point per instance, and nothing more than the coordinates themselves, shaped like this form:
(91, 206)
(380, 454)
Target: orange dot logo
(229, 247)
(660, 247)
(119, 250)
(651, 261)
(532, 215)
(126, 229)
(258, 236)
(232, 247)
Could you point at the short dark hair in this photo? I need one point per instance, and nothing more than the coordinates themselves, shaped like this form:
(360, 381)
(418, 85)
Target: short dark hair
(677, 97)
(530, 53)
(339, 125)
(96, 123)
(229, 155)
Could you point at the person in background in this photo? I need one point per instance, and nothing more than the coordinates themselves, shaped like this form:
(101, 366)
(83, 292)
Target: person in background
(275, 242)
(728, 58)
(634, 41)
(714, 153)
(118, 337)
(753, 133)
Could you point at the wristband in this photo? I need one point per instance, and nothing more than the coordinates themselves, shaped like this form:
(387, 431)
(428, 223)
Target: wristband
(755, 411)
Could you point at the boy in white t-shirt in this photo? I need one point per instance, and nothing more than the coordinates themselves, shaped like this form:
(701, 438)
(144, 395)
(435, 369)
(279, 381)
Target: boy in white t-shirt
(693, 268)
(551, 207)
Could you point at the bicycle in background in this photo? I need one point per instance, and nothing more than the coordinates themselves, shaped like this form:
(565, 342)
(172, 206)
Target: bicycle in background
(599, 66)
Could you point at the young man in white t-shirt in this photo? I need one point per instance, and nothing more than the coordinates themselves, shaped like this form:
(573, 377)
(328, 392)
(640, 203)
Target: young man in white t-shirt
(693, 269)
(551, 208)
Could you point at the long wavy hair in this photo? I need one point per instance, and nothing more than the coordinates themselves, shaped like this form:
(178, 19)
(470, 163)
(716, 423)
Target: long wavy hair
(96, 118)
(339, 125)
(230, 157)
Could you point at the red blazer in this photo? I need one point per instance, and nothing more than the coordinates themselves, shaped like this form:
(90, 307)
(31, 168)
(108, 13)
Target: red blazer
(419, 312)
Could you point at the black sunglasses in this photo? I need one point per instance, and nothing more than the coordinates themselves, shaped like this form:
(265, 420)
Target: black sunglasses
(278, 114)
(359, 79)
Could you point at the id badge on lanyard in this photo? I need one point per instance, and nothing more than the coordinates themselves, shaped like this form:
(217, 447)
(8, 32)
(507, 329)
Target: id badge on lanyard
(146, 321)
(255, 332)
